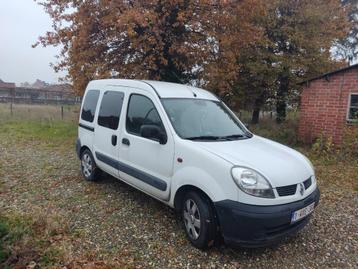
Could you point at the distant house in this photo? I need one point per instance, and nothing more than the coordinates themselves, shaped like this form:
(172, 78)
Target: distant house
(39, 84)
(328, 104)
(47, 93)
(38, 92)
(6, 85)
(6, 89)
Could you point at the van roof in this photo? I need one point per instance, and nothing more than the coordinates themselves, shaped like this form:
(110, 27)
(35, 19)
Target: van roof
(162, 89)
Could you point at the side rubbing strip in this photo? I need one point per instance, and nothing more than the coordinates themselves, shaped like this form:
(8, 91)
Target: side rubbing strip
(107, 160)
(134, 172)
(89, 128)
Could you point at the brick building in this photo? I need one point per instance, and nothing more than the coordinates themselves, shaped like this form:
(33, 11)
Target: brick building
(328, 104)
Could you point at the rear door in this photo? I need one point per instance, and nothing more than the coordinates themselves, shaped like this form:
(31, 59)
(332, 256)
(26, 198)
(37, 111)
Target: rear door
(106, 140)
(143, 162)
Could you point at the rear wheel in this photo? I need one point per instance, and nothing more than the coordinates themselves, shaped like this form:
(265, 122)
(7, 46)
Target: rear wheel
(88, 166)
(199, 220)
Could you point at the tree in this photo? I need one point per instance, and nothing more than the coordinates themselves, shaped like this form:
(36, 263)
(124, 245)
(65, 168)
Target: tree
(297, 38)
(142, 39)
(166, 40)
(232, 28)
(347, 48)
(256, 78)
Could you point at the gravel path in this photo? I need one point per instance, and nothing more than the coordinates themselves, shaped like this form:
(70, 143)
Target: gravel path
(111, 223)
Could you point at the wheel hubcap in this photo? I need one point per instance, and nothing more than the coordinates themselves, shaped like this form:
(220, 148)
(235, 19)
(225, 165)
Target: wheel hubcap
(191, 217)
(86, 164)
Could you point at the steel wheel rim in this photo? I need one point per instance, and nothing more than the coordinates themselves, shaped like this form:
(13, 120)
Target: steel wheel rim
(192, 219)
(86, 164)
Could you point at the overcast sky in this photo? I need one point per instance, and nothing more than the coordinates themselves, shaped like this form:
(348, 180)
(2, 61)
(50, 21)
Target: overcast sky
(21, 23)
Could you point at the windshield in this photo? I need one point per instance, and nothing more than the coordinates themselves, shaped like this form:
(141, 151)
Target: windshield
(198, 119)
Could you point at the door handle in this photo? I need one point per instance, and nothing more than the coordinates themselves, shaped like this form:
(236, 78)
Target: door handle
(125, 141)
(114, 140)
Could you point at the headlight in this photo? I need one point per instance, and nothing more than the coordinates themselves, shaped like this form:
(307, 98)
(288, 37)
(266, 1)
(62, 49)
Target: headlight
(313, 179)
(310, 163)
(252, 182)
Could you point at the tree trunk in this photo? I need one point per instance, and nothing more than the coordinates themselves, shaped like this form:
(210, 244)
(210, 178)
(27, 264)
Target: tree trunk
(255, 116)
(257, 108)
(281, 111)
(281, 102)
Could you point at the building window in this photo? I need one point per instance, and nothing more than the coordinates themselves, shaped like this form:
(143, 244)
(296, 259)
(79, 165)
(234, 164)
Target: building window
(353, 108)
(89, 105)
(110, 109)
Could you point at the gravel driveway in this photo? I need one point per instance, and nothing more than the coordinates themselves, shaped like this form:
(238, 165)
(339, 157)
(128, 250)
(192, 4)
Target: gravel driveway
(110, 223)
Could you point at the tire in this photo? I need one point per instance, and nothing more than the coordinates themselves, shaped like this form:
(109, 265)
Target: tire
(89, 169)
(199, 220)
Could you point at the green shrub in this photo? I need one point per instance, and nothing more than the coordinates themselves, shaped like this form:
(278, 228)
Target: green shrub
(324, 148)
(349, 148)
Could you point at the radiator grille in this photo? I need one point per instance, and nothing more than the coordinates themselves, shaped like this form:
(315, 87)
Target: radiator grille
(287, 190)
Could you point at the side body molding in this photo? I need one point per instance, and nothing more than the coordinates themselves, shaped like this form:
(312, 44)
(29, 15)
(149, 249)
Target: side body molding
(134, 172)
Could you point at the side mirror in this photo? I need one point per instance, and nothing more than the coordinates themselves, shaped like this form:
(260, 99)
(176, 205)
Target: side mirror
(153, 132)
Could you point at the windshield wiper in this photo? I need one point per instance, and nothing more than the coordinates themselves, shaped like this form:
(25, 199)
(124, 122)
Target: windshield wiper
(205, 137)
(234, 136)
(215, 138)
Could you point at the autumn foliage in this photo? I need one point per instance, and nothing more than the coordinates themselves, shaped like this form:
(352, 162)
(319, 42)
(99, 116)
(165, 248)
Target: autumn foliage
(164, 40)
(247, 51)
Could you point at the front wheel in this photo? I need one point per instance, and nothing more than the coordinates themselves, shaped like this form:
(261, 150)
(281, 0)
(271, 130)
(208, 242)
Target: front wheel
(199, 220)
(88, 166)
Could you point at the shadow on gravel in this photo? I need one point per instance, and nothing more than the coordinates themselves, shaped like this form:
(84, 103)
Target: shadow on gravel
(136, 195)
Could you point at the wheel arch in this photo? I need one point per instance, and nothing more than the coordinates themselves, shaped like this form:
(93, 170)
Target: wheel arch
(83, 148)
(180, 194)
(194, 178)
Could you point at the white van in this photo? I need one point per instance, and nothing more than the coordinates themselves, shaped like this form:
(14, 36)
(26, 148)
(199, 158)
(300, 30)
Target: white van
(184, 147)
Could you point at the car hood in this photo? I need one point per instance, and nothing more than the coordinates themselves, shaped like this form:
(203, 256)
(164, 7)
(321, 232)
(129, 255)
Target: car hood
(281, 165)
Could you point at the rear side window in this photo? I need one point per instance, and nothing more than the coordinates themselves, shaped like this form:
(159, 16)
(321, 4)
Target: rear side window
(110, 109)
(141, 111)
(89, 105)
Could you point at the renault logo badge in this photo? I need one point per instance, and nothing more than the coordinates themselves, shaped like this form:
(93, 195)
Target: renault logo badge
(302, 188)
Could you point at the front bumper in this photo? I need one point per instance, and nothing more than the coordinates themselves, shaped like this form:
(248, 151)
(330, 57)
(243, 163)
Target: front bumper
(256, 226)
